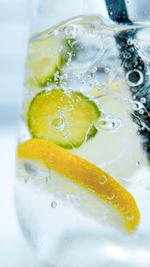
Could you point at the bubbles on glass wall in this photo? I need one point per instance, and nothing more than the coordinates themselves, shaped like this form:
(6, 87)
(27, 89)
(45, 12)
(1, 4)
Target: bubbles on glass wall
(134, 77)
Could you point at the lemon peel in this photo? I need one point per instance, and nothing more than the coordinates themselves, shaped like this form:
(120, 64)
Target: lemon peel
(86, 174)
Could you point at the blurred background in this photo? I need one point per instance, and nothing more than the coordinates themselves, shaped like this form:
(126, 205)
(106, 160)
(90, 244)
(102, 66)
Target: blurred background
(15, 18)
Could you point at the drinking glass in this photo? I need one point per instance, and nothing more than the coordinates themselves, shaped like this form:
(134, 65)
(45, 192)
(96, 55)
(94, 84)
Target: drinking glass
(82, 190)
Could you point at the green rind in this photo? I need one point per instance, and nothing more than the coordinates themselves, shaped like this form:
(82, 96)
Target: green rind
(92, 133)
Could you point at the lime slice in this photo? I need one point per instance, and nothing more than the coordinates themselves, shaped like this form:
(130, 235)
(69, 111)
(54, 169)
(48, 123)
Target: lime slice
(45, 58)
(65, 119)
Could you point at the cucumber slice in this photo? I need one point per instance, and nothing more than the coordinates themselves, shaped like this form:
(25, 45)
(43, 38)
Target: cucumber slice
(65, 119)
(45, 57)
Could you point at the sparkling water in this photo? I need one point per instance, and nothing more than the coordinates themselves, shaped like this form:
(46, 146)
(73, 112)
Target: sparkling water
(67, 225)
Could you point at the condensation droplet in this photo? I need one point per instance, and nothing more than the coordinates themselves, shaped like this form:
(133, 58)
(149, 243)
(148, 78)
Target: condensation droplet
(134, 77)
(103, 180)
(108, 124)
(111, 13)
(54, 204)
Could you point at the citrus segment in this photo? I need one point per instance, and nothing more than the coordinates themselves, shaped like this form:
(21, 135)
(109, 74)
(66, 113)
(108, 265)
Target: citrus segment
(86, 174)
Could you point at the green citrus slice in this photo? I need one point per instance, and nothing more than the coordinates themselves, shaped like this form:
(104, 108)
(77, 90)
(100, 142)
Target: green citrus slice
(65, 119)
(45, 57)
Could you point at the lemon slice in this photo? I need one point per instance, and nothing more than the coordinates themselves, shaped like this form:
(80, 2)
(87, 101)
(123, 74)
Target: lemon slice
(86, 174)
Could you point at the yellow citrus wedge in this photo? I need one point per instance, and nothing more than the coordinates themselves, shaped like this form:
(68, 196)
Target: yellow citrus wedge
(86, 174)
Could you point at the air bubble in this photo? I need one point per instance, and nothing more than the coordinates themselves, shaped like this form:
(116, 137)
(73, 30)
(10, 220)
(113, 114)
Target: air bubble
(111, 197)
(126, 64)
(54, 204)
(58, 123)
(108, 124)
(132, 49)
(135, 63)
(93, 70)
(110, 13)
(103, 180)
(26, 180)
(56, 76)
(130, 42)
(126, 55)
(107, 69)
(138, 164)
(143, 100)
(134, 77)
(141, 111)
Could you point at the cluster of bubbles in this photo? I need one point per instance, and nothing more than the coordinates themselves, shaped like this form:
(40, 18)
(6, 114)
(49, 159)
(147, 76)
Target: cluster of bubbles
(139, 107)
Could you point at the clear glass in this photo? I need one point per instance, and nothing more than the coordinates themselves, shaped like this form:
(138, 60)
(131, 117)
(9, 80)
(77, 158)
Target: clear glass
(83, 179)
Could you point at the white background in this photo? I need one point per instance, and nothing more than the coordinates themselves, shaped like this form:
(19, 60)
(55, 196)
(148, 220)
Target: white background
(14, 31)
